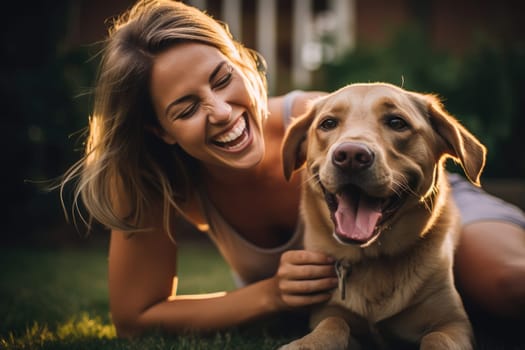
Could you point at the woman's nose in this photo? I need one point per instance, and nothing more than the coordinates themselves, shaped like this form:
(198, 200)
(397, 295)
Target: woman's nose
(220, 111)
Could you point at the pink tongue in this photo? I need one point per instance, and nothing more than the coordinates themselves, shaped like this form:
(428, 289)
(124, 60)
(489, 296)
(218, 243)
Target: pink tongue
(357, 217)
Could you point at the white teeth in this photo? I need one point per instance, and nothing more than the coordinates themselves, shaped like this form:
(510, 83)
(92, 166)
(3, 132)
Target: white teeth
(234, 133)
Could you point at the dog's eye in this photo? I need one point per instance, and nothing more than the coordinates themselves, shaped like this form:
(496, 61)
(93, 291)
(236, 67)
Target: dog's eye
(328, 124)
(396, 123)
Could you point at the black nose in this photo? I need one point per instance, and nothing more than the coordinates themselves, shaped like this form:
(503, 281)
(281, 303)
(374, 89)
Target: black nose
(352, 156)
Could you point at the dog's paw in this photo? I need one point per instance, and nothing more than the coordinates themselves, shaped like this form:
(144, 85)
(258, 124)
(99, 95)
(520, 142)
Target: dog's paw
(332, 333)
(441, 340)
(299, 345)
(312, 343)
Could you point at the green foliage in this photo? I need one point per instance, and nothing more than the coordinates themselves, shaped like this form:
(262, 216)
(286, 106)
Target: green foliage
(484, 88)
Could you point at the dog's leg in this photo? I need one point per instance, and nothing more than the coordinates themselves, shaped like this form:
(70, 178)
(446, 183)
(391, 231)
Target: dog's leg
(332, 333)
(451, 337)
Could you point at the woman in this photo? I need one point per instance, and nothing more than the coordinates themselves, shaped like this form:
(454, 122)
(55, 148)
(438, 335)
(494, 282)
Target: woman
(182, 127)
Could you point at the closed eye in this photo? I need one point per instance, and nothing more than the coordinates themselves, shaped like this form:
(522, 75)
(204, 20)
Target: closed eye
(224, 79)
(219, 79)
(188, 111)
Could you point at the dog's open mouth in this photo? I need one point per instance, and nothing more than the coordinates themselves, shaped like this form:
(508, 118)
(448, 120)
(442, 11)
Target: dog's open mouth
(359, 218)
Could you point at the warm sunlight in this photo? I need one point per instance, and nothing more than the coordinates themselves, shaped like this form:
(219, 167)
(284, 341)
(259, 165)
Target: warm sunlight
(174, 295)
(77, 328)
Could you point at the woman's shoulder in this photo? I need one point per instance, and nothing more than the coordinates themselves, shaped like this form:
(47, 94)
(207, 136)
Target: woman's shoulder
(293, 103)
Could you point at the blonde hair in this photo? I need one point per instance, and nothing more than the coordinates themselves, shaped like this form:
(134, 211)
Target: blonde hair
(120, 154)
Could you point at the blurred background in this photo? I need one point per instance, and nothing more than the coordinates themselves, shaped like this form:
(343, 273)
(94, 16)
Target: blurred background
(471, 53)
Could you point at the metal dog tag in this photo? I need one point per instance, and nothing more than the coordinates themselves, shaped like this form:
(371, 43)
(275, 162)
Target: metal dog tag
(342, 270)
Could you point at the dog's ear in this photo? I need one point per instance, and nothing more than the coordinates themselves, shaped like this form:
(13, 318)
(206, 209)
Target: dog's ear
(294, 144)
(461, 145)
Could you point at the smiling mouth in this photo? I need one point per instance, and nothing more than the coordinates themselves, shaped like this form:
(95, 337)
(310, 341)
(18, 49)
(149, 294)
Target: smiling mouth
(359, 218)
(237, 137)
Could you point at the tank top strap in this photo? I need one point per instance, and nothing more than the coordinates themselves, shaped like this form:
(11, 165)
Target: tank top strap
(288, 105)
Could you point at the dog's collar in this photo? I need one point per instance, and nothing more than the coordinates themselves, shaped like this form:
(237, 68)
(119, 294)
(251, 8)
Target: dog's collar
(343, 269)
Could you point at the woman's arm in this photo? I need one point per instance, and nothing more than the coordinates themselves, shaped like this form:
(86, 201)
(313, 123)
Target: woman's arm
(141, 272)
(490, 258)
(142, 267)
(490, 267)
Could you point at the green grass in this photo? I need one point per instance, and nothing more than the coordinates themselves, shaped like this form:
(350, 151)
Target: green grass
(58, 299)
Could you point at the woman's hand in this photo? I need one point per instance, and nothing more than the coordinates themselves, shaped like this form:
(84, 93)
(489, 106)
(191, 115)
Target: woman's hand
(304, 278)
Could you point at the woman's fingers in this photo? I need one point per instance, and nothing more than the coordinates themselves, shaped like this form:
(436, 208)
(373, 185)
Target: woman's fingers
(305, 257)
(305, 278)
(293, 300)
(305, 265)
(307, 286)
(306, 272)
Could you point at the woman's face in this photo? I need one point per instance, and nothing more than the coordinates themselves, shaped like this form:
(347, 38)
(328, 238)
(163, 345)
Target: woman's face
(203, 105)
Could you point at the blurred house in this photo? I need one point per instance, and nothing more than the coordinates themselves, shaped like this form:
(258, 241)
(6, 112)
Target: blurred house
(297, 36)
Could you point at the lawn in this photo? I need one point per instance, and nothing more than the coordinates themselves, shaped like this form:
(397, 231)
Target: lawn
(57, 299)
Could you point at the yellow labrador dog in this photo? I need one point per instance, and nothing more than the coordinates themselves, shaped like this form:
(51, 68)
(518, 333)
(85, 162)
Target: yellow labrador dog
(376, 197)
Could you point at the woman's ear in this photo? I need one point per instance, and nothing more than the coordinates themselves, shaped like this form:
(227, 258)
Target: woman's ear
(161, 134)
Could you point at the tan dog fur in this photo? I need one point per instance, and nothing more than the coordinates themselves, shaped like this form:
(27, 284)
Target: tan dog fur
(401, 284)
